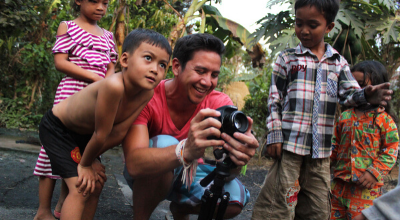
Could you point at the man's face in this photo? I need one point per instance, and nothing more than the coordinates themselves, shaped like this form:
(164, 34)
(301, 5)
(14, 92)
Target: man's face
(311, 27)
(200, 75)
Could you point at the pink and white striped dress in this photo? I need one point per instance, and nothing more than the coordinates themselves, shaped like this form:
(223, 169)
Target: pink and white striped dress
(88, 51)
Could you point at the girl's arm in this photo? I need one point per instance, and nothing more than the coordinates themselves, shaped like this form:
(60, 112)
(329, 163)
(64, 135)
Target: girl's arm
(110, 69)
(63, 65)
(387, 154)
(385, 207)
(70, 69)
(114, 58)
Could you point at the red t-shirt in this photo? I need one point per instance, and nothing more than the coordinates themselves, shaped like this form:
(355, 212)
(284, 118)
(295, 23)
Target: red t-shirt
(156, 116)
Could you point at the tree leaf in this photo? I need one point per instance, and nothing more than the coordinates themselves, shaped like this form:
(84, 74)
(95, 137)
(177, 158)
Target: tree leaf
(389, 30)
(388, 3)
(209, 9)
(238, 31)
(287, 39)
(272, 26)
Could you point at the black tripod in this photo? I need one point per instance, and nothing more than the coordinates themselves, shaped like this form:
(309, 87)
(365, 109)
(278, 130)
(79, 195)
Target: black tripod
(211, 196)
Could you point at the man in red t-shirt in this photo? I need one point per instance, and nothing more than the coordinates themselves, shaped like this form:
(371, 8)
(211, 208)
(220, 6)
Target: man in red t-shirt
(172, 131)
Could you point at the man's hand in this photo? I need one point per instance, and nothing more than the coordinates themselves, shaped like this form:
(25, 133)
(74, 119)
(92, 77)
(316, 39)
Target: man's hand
(86, 180)
(274, 150)
(378, 94)
(201, 127)
(360, 217)
(100, 171)
(241, 147)
(367, 180)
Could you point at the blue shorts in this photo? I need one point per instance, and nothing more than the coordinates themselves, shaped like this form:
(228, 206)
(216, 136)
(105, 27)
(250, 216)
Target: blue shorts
(180, 194)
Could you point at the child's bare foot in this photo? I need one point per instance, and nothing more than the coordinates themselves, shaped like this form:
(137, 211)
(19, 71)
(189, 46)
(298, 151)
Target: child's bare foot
(57, 214)
(44, 216)
(57, 209)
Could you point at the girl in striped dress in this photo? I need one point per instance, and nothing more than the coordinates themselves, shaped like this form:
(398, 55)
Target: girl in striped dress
(85, 53)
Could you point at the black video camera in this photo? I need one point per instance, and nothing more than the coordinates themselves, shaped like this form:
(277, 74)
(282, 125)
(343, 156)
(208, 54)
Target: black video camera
(232, 121)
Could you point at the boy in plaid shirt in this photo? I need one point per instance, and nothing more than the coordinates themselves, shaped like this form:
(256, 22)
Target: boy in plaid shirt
(307, 81)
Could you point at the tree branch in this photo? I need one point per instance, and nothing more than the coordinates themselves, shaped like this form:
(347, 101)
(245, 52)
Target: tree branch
(176, 12)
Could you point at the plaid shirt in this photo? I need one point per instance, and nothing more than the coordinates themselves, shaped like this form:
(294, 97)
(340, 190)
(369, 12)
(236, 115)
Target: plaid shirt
(291, 95)
(364, 143)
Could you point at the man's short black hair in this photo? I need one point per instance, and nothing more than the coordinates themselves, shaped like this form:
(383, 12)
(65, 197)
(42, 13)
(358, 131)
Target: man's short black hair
(186, 46)
(138, 36)
(328, 8)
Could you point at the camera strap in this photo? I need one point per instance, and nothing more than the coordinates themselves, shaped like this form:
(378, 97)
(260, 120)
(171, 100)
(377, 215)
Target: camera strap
(189, 169)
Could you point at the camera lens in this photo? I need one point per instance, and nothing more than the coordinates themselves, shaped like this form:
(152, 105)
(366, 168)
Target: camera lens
(239, 121)
(238, 124)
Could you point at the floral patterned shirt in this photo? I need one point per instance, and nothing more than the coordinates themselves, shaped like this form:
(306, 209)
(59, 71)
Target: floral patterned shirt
(363, 143)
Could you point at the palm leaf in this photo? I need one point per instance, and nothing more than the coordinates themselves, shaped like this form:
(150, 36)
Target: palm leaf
(238, 31)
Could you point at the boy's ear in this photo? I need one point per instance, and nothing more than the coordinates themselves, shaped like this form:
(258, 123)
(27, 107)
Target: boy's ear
(124, 59)
(330, 27)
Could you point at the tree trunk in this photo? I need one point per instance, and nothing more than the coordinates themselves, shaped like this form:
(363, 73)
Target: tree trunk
(120, 27)
(35, 84)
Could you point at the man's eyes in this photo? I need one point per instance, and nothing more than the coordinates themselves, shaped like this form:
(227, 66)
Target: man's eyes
(200, 71)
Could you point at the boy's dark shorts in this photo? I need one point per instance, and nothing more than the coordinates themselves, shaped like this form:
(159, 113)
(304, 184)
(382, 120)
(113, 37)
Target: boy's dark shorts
(63, 146)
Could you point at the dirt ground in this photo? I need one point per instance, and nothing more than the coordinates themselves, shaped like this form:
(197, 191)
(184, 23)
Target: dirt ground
(253, 180)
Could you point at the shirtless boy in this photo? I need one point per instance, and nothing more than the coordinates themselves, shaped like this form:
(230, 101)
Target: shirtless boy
(97, 118)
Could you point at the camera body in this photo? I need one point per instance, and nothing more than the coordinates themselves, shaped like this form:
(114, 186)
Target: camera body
(232, 121)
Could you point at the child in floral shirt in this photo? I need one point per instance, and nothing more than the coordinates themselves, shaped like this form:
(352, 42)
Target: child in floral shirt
(364, 148)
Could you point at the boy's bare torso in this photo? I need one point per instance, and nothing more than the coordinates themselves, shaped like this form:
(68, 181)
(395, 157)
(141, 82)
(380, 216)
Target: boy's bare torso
(78, 112)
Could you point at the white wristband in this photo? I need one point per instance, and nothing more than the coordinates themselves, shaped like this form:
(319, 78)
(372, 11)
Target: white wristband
(189, 169)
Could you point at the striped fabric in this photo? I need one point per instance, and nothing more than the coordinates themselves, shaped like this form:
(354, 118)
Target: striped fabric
(43, 166)
(291, 99)
(87, 51)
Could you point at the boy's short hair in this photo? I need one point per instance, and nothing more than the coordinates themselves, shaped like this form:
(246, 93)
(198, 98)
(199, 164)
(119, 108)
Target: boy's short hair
(187, 45)
(328, 8)
(138, 36)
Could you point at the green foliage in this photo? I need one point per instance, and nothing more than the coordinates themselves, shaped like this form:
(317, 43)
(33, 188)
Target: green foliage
(256, 104)
(15, 115)
(27, 34)
(370, 20)
(153, 15)
(27, 70)
(348, 44)
(17, 17)
(226, 76)
(231, 33)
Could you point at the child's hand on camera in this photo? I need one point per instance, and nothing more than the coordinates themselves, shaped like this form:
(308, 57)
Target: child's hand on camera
(367, 180)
